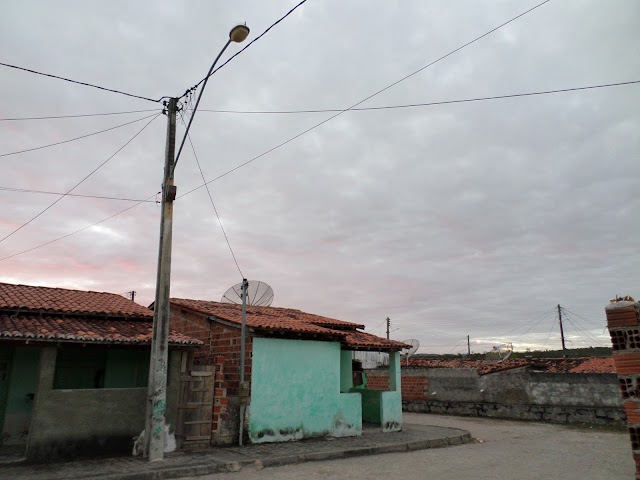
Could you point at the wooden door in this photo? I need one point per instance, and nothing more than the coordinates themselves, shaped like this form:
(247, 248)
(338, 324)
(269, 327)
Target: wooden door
(195, 406)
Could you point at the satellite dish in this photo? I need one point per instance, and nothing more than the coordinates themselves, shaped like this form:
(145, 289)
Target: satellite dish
(259, 294)
(408, 351)
(503, 351)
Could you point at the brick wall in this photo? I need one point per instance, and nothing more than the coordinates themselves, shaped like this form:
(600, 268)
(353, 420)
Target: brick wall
(414, 387)
(222, 349)
(623, 321)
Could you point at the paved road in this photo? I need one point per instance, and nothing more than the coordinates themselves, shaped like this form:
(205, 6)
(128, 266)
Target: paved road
(508, 450)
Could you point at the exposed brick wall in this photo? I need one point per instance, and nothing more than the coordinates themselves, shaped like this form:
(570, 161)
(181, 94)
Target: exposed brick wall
(222, 349)
(623, 320)
(414, 387)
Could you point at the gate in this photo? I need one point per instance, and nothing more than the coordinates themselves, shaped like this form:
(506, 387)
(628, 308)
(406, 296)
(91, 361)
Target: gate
(195, 405)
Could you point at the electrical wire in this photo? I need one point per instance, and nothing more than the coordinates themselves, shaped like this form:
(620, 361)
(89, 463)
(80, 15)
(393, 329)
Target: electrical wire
(77, 231)
(195, 155)
(81, 181)
(427, 104)
(247, 46)
(81, 115)
(78, 138)
(309, 129)
(549, 336)
(579, 329)
(81, 83)
(363, 100)
(81, 195)
(531, 327)
(583, 318)
(587, 338)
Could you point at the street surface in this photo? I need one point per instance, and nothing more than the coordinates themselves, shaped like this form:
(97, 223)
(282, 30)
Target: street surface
(506, 450)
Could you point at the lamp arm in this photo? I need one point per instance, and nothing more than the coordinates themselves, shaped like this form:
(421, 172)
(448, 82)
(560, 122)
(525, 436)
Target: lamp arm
(193, 114)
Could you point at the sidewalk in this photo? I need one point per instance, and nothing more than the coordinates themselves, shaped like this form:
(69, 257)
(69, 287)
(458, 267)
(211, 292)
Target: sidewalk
(217, 460)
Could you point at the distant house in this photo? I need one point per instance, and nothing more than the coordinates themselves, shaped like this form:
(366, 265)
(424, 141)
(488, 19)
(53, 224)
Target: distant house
(302, 380)
(73, 370)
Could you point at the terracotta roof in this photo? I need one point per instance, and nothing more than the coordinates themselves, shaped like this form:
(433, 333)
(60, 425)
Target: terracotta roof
(550, 365)
(29, 298)
(361, 339)
(287, 320)
(61, 328)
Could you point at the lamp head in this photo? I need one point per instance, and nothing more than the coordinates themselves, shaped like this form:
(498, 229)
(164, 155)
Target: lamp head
(239, 33)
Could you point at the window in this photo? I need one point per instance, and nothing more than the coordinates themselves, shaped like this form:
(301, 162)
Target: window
(100, 367)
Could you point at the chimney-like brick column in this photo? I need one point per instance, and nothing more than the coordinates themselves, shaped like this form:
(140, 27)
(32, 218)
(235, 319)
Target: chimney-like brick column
(623, 321)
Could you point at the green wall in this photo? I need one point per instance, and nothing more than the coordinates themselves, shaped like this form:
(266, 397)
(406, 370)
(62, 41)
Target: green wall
(295, 392)
(19, 400)
(391, 402)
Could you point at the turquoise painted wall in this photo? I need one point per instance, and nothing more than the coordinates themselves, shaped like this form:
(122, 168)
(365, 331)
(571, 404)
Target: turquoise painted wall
(391, 402)
(295, 392)
(19, 401)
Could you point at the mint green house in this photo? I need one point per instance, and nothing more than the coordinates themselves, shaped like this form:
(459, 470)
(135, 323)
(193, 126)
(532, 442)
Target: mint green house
(302, 378)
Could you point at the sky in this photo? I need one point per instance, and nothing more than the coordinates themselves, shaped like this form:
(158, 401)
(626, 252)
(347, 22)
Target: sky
(461, 219)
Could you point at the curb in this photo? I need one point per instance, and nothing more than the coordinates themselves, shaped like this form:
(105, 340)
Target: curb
(210, 468)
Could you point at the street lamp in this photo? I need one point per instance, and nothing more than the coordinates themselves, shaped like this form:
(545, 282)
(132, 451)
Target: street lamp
(157, 389)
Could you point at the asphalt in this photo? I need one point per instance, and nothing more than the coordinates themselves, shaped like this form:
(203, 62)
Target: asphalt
(219, 460)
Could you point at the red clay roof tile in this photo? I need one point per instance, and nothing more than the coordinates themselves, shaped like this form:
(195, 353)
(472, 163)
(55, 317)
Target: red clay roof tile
(290, 320)
(29, 298)
(80, 329)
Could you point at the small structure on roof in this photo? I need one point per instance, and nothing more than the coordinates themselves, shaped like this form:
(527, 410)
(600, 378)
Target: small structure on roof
(302, 378)
(73, 370)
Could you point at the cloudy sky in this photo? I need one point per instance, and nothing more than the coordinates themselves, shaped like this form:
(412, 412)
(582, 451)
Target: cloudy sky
(458, 219)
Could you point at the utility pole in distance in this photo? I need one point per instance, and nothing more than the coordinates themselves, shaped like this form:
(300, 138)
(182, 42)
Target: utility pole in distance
(388, 325)
(157, 390)
(468, 346)
(564, 350)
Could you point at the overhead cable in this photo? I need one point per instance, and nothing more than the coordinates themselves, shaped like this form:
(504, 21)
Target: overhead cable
(195, 155)
(76, 231)
(54, 117)
(78, 138)
(247, 46)
(81, 181)
(86, 84)
(365, 99)
(426, 104)
(67, 194)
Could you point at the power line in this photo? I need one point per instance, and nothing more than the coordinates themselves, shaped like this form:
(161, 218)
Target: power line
(81, 115)
(427, 104)
(247, 46)
(81, 181)
(362, 101)
(80, 83)
(77, 231)
(549, 336)
(585, 319)
(195, 155)
(587, 338)
(77, 138)
(60, 194)
(309, 129)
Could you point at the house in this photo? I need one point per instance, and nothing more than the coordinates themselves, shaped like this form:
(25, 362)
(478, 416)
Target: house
(301, 379)
(73, 370)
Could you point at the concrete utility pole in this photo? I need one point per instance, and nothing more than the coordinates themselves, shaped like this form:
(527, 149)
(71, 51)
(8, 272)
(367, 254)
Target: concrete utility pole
(468, 346)
(157, 390)
(564, 350)
(133, 295)
(388, 325)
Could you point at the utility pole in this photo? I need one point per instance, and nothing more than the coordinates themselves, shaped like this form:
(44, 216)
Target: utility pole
(133, 295)
(157, 390)
(468, 346)
(388, 325)
(564, 350)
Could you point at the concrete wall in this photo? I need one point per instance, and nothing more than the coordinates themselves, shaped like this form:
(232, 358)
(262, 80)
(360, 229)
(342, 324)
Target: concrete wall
(69, 423)
(518, 393)
(295, 392)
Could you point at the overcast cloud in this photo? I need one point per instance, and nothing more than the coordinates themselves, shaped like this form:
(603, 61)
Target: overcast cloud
(475, 218)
